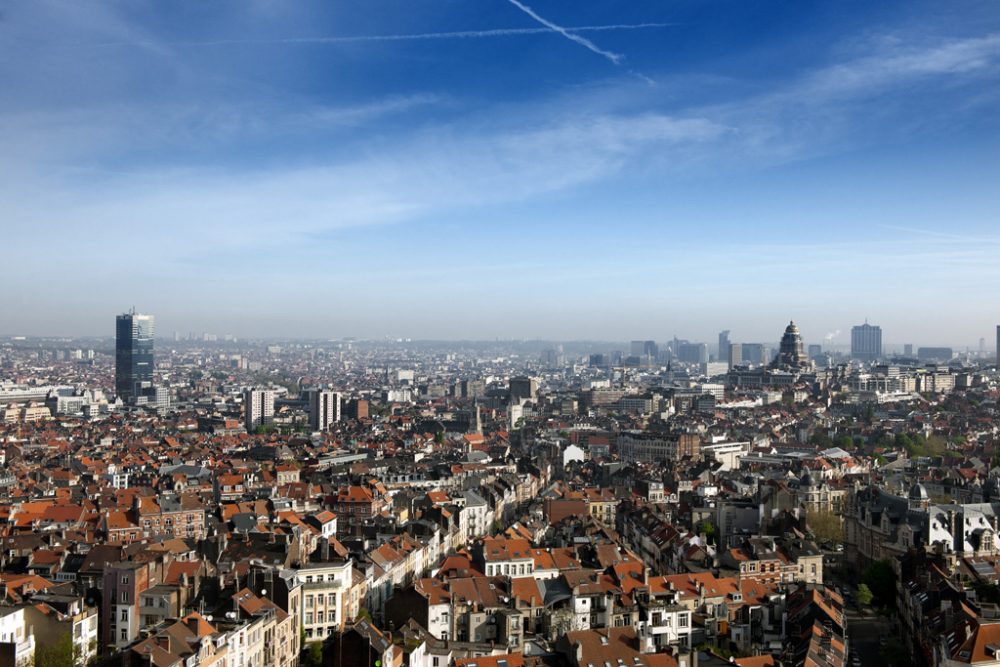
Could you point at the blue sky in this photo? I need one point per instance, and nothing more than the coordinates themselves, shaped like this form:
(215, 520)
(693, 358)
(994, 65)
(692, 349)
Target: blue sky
(501, 168)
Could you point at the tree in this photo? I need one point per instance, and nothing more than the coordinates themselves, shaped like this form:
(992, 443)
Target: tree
(864, 595)
(821, 439)
(881, 580)
(825, 526)
(60, 653)
(708, 529)
(314, 655)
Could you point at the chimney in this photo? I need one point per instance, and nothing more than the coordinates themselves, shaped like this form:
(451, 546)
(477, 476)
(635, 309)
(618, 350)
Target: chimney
(324, 546)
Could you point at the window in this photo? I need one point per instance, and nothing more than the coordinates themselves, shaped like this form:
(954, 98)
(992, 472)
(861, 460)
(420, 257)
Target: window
(319, 617)
(309, 602)
(436, 662)
(124, 635)
(124, 596)
(682, 621)
(124, 614)
(331, 599)
(125, 580)
(309, 617)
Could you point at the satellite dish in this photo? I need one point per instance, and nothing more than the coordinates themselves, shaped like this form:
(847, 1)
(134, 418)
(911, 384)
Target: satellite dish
(263, 591)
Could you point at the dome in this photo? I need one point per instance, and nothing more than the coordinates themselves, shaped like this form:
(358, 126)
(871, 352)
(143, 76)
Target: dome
(791, 328)
(918, 492)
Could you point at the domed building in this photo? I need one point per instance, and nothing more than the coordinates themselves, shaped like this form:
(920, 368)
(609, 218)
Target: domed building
(791, 354)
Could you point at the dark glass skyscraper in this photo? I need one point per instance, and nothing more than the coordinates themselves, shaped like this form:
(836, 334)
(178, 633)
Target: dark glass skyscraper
(133, 356)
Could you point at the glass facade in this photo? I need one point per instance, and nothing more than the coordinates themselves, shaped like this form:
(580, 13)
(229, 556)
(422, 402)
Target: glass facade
(133, 355)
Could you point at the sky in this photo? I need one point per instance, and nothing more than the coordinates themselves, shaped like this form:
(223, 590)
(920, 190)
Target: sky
(480, 169)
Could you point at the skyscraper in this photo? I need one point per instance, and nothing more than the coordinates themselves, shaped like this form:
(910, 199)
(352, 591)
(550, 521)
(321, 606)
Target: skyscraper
(258, 405)
(324, 409)
(134, 357)
(724, 345)
(735, 355)
(998, 345)
(866, 342)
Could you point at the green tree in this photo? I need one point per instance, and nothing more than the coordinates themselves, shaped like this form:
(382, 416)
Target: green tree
(708, 528)
(59, 653)
(314, 655)
(845, 442)
(881, 580)
(825, 526)
(821, 439)
(864, 595)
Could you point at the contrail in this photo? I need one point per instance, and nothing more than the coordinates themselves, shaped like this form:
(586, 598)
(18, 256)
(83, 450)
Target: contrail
(615, 58)
(458, 34)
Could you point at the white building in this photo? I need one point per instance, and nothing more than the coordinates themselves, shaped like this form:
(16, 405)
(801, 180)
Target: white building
(324, 409)
(14, 633)
(325, 588)
(259, 408)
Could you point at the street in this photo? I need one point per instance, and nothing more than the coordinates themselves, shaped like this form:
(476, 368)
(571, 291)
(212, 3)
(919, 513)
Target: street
(864, 633)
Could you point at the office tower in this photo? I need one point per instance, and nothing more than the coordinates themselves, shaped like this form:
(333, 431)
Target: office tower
(998, 345)
(644, 349)
(734, 355)
(259, 408)
(908, 350)
(522, 388)
(133, 356)
(791, 354)
(935, 353)
(815, 351)
(692, 353)
(866, 342)
(324, 409)
(753, 353)
(724, 346)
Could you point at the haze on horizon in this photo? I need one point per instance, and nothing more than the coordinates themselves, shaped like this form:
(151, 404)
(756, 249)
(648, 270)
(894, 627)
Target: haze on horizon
(500, 169)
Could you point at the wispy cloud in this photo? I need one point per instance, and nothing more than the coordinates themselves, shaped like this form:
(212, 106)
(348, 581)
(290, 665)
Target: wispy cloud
(615, 58)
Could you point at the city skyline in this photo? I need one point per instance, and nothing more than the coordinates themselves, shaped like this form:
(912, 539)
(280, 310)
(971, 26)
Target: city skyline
(503, 169)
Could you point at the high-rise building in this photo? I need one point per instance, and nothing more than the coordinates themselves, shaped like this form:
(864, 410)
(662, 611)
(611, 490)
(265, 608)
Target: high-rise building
(134, 357)
(998, 345)
(324, 409)
(815, 351)
(258, 405)
(523, 387)
(734, 355)
(754, 353)
(357, 408)
(866, 342)
(724, 345)
(692, 353)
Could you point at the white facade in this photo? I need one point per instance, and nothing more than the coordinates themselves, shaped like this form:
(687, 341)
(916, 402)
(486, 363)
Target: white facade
(324, 409)
(259, 407)
(325, 587)
(13, 630)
